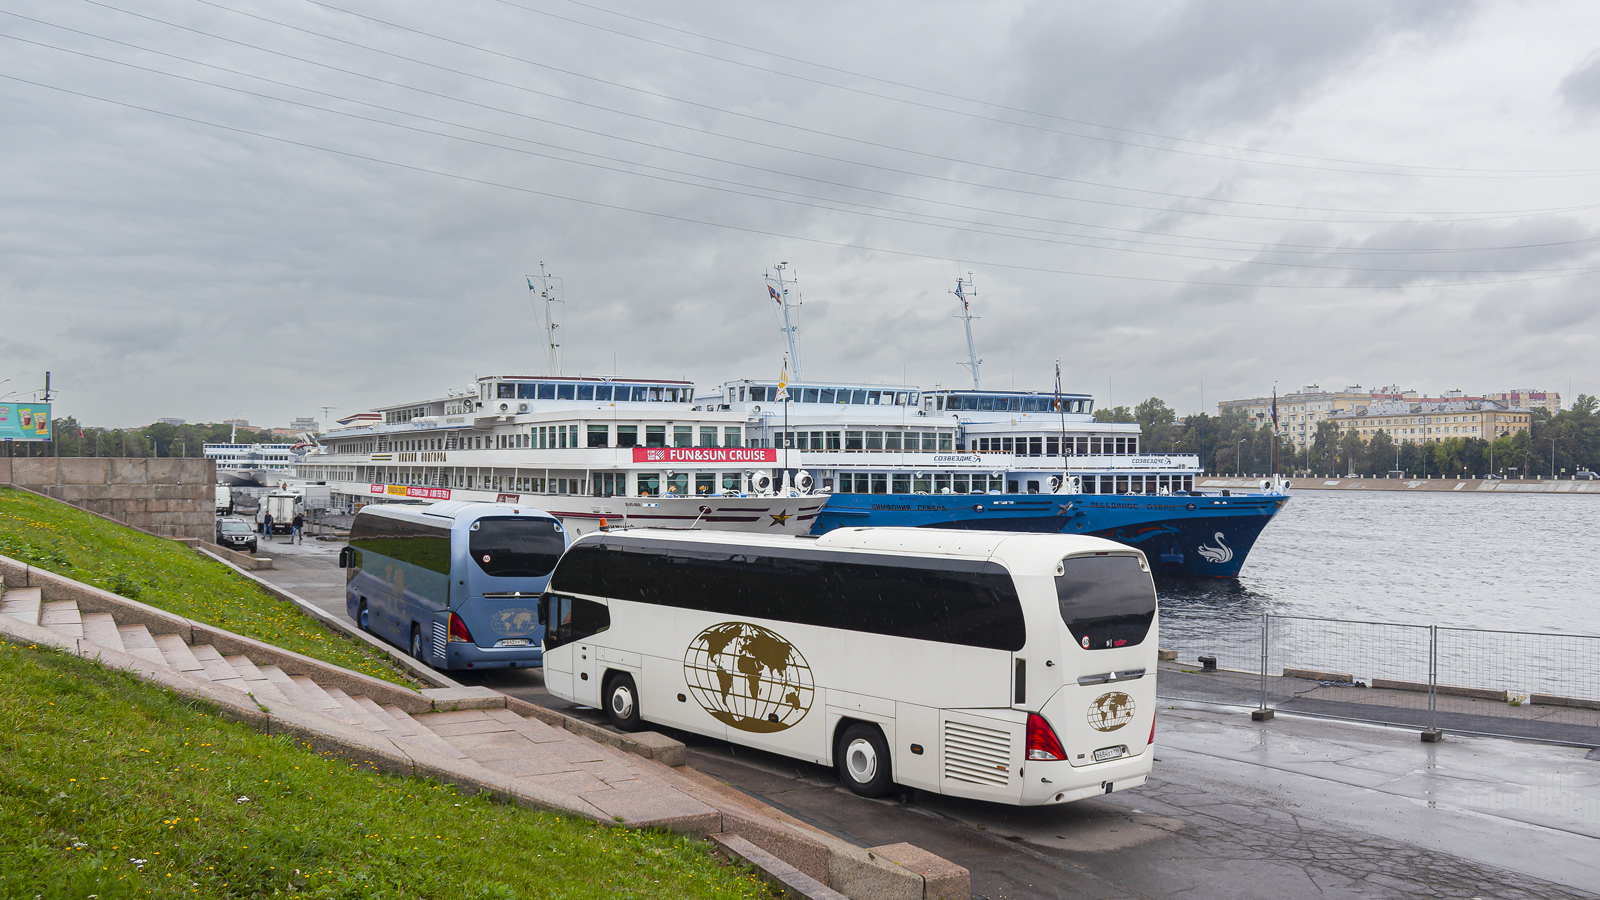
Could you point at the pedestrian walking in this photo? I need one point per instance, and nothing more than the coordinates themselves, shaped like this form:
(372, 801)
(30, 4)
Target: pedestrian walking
(294, 530)
(266, 527)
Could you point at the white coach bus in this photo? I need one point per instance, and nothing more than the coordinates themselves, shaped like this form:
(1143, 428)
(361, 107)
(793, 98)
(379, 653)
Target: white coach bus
(1016, 668)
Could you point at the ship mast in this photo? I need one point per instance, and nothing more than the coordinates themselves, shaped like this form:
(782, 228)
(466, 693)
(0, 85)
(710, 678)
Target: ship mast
(964, 293)
(778, 290)
(550, 291)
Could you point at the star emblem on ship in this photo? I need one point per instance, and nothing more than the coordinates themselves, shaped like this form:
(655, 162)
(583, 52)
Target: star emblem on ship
(779, 518)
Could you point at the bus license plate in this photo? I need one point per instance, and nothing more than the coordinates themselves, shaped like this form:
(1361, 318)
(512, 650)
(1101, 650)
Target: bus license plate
(512, 642)
(1105, 753)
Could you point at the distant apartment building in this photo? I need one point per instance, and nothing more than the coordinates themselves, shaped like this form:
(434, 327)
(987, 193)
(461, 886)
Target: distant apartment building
(304, 423)
(1300, 411)
(169, 420)
(1431, 422)
(1550, 401)
(239, 422)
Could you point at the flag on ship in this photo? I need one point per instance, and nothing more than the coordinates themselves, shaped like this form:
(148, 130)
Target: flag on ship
(960, 296)
(530, 284)
(783, 385)
(773, 292)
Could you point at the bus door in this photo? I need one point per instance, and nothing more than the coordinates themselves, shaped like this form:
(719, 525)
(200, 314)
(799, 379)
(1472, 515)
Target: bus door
(571, 666)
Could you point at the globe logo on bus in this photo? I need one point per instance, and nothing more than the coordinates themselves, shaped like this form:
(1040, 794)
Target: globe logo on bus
(1110, 711)
(748, 677)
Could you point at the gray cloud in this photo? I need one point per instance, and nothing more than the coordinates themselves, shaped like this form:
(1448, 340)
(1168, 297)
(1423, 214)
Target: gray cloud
(1581, 88)
(160, 266)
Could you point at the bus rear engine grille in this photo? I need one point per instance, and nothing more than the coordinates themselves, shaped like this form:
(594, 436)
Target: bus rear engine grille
(441, 635)
(975, 754)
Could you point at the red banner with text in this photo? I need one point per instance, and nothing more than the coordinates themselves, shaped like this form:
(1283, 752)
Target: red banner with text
(403, 490)
(739, 455)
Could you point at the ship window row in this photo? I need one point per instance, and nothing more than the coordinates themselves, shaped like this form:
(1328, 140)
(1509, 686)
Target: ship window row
(1008, 403)
(613, 393)
(1051, 446)
(402, 416)
(921, 441)
(1137, 484)
(768, 393)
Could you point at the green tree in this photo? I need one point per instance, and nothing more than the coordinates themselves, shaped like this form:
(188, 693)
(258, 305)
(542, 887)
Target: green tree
(1117, 414)
(1380, 456)
(1324, 455)
(1155, 425)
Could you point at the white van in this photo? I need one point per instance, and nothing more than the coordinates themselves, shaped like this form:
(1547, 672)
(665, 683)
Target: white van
(1017, 668)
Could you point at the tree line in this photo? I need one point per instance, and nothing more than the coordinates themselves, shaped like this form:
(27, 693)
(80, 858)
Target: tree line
(156, 440)
(1229, 443)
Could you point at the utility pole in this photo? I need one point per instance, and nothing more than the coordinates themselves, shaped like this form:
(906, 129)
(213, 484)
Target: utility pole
(963, 293)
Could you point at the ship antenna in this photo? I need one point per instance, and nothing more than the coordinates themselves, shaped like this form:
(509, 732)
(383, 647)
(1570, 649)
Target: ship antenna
(551, 291)
(778, 290)
(1061, 407)
(965, 293)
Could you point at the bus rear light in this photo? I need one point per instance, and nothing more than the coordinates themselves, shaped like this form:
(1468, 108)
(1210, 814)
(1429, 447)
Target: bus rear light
(1042, 740)
(458, 630)
(1152, 729)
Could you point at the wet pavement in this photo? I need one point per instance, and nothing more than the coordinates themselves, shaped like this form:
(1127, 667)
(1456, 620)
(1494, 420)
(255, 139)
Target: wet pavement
(1290, 808)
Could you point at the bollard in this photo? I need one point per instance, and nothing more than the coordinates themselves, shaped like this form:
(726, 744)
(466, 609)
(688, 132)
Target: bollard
(1208, 663)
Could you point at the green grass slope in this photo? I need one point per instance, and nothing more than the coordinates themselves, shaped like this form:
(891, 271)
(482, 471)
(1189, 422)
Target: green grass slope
(165, 574)
(112, 788)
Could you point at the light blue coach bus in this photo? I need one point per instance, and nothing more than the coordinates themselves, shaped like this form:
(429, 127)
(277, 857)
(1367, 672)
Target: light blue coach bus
(456, 583)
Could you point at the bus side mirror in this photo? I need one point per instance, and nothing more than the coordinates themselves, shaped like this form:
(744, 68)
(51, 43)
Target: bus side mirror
(544, 609)
(345, 554)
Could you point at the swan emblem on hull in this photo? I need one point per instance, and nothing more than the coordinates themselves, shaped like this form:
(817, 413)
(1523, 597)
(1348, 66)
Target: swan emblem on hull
(1221, 553)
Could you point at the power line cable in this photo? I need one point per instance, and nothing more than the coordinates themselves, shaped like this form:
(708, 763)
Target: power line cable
(1258, 246)
(1427, 171)
(813, 131)
(758, 231)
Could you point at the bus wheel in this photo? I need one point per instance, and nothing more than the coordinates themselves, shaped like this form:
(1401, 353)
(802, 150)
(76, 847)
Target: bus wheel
(416, 643)
(863, 760)
(622, 702)
(364, 618)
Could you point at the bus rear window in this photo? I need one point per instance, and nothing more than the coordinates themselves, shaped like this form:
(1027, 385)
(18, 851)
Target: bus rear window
(516, 547)
(1106, 601)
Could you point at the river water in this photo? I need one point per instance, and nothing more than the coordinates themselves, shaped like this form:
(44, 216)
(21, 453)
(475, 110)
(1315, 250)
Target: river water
(1518, 562)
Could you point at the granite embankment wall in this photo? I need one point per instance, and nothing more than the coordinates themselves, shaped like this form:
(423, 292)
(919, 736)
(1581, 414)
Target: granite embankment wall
(169, 497)
(1409, 485)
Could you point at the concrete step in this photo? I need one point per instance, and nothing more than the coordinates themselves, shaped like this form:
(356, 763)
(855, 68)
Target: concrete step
(136, 641)
(101, 629)
(319, 697)
(253, 681)
(179, 657)
(276, 677)
(413, 732)
(61, 616)
(353, 713)
(21, 603)
(216, 668)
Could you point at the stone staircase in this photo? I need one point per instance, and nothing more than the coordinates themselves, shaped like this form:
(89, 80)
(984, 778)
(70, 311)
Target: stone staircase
(475, 738)
(467, 730)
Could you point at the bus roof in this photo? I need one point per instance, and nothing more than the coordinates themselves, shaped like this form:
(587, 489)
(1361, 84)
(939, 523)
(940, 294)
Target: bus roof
(939, 542)
(448, 509)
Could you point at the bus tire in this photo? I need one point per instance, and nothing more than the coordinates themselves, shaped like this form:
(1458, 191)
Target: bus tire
(417, 651)
(364, 618)
(622, 702)
(862, 759)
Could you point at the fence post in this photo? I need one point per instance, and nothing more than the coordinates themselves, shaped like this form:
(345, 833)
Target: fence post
(1262, 714)
(1432, 734)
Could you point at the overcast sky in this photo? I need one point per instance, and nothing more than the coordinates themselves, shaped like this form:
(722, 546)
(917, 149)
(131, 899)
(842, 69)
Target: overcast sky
(212, 208)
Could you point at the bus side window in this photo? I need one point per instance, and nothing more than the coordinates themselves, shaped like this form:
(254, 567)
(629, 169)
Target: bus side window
(569, 619)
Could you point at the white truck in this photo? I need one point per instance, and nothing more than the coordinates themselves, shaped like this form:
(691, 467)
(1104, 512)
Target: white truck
(281, 506)
(224, 499)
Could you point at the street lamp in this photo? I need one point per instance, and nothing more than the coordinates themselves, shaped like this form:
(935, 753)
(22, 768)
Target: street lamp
(1238, 460)
(1552, 458)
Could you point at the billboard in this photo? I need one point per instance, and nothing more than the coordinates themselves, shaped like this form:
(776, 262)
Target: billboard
(25, 422)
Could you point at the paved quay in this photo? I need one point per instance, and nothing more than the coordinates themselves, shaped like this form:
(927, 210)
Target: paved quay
(1291, 808)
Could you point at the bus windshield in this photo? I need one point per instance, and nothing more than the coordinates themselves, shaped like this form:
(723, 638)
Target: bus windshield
(1106, 601)
(512, 547)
